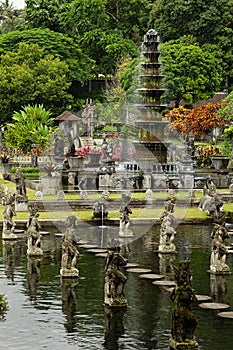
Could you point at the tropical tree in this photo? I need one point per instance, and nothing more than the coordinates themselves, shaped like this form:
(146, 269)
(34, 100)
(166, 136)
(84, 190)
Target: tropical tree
(227, 112)
(30, 77)
(57, 44)
(10, 18)
(190, 73)
(197, 122)
(175, 18)
(31, 125)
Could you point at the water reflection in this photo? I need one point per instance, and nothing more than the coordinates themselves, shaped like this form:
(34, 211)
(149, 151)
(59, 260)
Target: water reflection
(72, 316)
(33, 277)
(218, 287)
(69, 302)
(114, 327)
(12, 253)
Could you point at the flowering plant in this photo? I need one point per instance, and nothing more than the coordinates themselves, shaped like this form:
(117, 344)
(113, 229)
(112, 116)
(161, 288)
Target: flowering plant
(204, 153)
(84, 150)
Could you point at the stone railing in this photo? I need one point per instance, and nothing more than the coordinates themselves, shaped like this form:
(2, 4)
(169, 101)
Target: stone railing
(28, 160)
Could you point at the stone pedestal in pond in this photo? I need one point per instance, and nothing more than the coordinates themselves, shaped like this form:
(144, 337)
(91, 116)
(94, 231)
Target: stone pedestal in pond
(190, 345)
(34, 251)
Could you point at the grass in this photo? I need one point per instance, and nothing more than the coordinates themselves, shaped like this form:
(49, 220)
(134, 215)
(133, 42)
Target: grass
(147, 213)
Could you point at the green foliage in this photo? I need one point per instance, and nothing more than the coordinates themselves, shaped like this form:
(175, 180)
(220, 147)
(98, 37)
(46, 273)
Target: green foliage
(190, 72)
(57, 44)
(210, 22)
(32, 125)
(27, 76)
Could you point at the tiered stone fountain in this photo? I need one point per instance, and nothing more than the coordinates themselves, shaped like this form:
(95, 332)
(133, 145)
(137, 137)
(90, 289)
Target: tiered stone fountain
(151, 149)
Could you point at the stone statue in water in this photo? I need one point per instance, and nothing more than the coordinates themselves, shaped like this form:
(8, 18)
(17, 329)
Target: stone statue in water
(114, 279)
(33, 232)
(70, 253)
(125, 221)
(219, 250)
(8, 230)
(184, 321)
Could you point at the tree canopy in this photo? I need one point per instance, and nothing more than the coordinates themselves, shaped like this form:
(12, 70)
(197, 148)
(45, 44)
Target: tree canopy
(190, 72)
(27, 76)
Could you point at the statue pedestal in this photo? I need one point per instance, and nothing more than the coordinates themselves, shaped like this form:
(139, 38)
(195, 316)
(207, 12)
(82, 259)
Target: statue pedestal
(189, 345)
(8, 235)
(34, 251)
(166, 250)
(125, 233)
(117, 302)
(70, 273)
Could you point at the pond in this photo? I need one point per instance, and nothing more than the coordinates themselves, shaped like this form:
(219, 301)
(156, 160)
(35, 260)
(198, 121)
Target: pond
(48, 312)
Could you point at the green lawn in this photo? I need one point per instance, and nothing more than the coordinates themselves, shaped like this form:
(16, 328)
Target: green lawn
(180, 213)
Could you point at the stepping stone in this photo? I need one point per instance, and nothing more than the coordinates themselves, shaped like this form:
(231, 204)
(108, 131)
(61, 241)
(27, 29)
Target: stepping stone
(82, 242)
(58, 234)
(18, 231)
(139, 270)
(203, 297)
(226, 314)
(131, 265)
(152, 276)
(96, 251)
(214, 306)
(44, 233)
(164, 283)
(102, 255)
(87, 246)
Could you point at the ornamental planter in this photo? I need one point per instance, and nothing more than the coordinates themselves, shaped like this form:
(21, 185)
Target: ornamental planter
(75, 162)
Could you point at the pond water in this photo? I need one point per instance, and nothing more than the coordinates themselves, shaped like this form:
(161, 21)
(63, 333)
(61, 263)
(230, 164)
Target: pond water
(48, 312)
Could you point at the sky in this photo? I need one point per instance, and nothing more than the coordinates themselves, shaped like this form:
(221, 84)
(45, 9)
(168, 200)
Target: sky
(18, 4)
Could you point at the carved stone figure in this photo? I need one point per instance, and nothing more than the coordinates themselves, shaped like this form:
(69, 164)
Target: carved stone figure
(8, 231)
(20, 185)
(184, 321)
(100, 209)
(70, 253)
(33, 232)
(114, 279)
(69, 259)
(167, 234)
(125, 221)
(219, 250)
(210, 204)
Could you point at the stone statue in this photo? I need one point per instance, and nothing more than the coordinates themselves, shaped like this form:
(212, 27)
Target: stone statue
(114, 279)
(149, 196)
(100, 209)
(183, 320)
(58, 145)
(69, 259)
(8, 231)
(20, 185)
(70, 253)
(211, 205)
(218, 250)
(33, 233)
(167, 234)
(125, 221)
